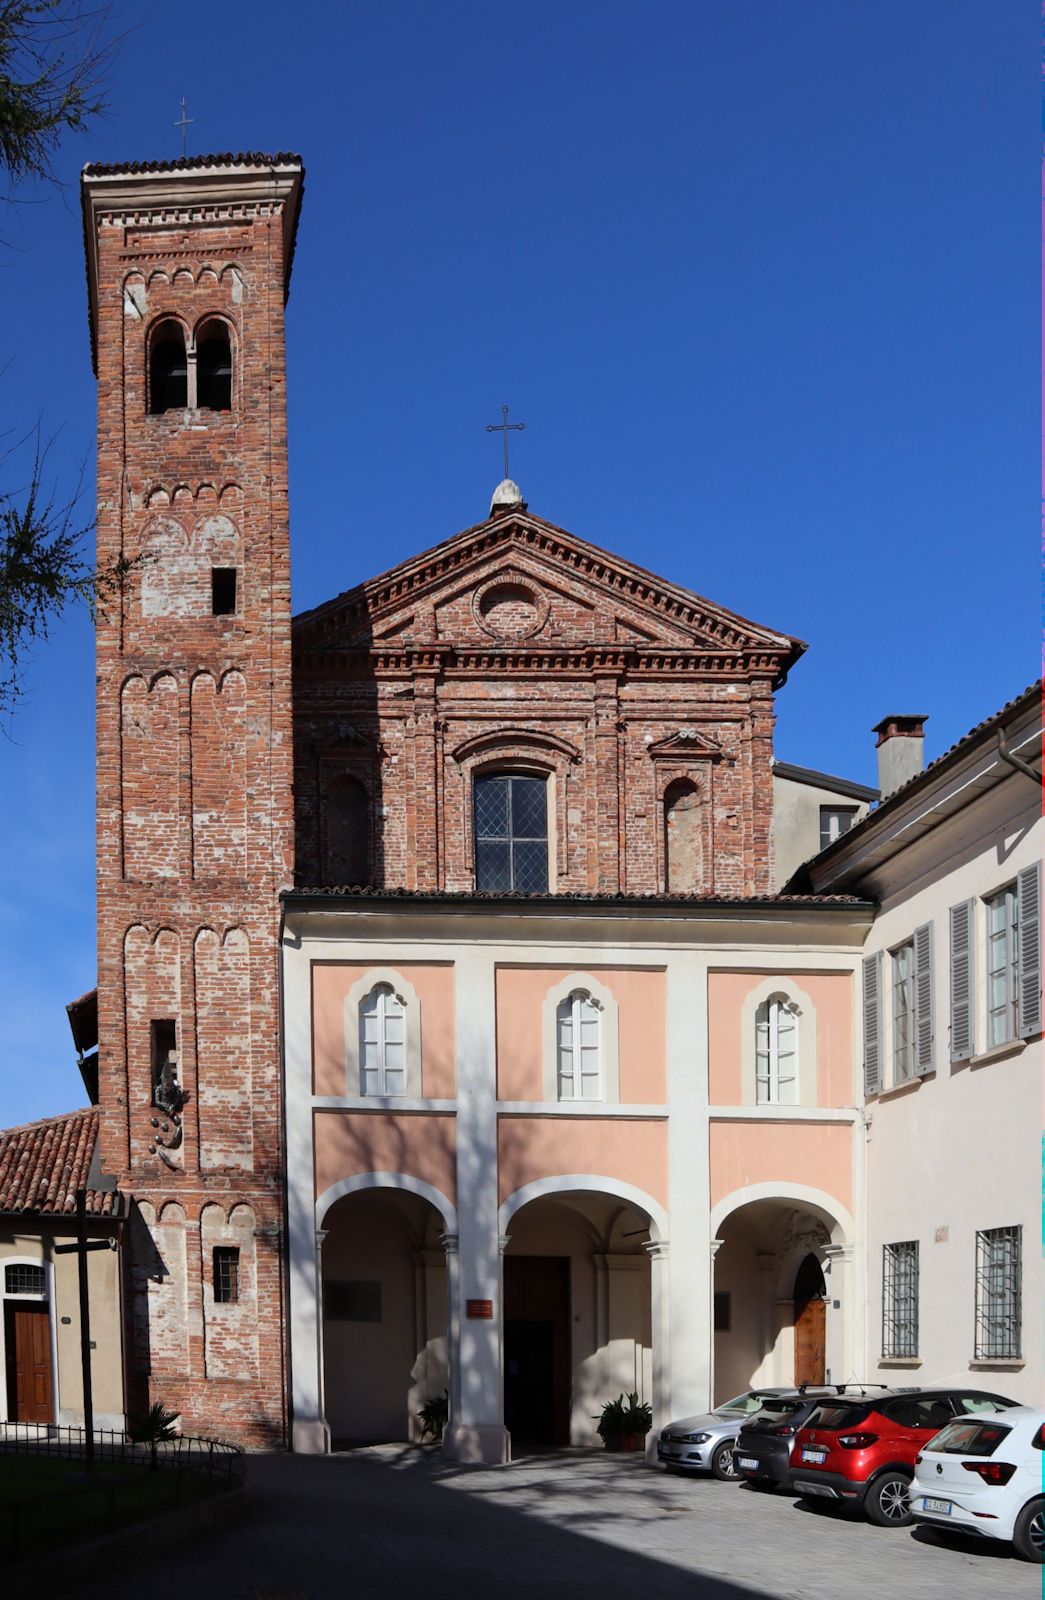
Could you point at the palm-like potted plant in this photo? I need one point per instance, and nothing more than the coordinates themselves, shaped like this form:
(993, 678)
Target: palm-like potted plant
(433, 1417)
(624, 1423)
(153, 1427)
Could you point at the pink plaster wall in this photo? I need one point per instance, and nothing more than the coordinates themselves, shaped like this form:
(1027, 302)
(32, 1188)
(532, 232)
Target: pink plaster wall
(818, 1155)
(831, 994)
(350, 1142)
(434, 982)
(640, 994)
(544, 1147)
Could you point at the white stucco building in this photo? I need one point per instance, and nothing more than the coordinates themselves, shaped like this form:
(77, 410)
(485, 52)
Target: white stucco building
(952, 1050)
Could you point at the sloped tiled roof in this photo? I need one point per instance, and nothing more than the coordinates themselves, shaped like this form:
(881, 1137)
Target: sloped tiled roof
(553, 902)
(44, 1163)
(243, 158)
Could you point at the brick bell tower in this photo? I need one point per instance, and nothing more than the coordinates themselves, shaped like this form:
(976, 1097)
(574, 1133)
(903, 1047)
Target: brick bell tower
(188, 269)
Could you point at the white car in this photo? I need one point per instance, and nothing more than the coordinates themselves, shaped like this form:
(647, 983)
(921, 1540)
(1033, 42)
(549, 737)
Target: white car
(983, 1475)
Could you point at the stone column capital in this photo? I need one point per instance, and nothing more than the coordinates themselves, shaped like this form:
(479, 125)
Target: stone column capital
(321, 1234)
(449, 1243)
(657, 1249)
(838, 1252)
(715, 1245)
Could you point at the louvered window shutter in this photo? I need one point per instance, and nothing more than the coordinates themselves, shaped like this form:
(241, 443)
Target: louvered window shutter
(1028, 921)
(962, 988)
(872, 1023)
(923, 1000)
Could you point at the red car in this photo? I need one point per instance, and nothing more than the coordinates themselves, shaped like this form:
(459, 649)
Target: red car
(861, 1452)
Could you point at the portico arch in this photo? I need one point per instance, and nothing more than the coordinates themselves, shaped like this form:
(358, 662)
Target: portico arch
(565, 1183)
(384, 1243)
(781, 1266)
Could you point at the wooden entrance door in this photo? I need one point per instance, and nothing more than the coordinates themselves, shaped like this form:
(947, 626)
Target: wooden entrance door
(537, 1349)
(810, 1322)
(27, 1341)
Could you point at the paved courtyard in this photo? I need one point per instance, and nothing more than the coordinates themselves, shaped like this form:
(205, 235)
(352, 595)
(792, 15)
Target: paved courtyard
(393, 1521)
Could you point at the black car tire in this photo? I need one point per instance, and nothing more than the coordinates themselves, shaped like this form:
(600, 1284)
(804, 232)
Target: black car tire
(888, 1502)
(722, 1464)
(1028, 1536)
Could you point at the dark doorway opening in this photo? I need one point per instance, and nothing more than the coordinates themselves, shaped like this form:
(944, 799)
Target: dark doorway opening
(810, 1322)
(27, 1340)
(537, 1351)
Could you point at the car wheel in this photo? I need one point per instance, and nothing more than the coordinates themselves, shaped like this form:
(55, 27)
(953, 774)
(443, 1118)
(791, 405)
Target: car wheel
(888, 1502)
(1028, 1536)
(722, 1463)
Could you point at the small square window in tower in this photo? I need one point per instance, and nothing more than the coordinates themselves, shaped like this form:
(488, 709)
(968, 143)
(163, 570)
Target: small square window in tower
(511, 833)
(226, 1274)
(164, 1040)
(223, 591)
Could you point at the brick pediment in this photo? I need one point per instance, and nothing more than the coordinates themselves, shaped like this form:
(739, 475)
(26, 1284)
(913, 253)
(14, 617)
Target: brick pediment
(519, 583)
(688, 744)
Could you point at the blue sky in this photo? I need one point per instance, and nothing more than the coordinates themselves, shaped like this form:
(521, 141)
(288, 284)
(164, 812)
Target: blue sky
(759, 279)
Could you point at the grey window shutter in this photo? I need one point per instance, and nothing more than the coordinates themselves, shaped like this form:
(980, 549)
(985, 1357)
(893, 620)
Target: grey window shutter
(1028, 918)
(962, 989)
(923, 999)
(872, 1023)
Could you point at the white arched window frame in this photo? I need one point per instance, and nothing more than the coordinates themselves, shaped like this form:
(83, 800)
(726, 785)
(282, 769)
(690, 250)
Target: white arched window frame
(580, 1005)
(783, 988)
(776, 1052)
(579, 1047)
(383, 1037)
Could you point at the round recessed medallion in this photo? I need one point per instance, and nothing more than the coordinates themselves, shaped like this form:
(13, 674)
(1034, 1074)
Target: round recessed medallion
(510, 608)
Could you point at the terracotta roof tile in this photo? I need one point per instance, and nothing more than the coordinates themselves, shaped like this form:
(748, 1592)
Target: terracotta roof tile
(507, 897)
(243, 158)
(44, 1163)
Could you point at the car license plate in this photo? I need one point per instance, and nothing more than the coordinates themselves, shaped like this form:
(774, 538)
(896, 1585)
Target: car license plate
(817, 1457)
(673, 1450)
(747, 1464)
(941, 1506)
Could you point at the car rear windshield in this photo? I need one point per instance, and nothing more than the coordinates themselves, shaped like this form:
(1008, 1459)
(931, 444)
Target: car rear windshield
(773, 1410)
(969, 1439)
(832, 1417)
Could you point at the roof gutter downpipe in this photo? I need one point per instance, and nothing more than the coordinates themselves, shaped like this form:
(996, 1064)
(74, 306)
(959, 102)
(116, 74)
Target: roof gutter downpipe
(1016, 762)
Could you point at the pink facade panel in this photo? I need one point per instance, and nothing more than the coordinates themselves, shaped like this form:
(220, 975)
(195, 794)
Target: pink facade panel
(640, 994)
(434, 985)
(816, 1155)
(544, 1147)
(351, 1142)
(730, 1013)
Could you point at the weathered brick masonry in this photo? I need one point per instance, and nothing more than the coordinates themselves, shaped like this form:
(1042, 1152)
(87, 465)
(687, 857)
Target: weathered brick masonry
(517, 645)
(194, 773)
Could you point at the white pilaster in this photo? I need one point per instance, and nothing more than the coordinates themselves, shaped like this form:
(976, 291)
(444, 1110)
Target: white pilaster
(660, 1320)
(687, 1377)
(477, 1432)
(841, 1322)
(309, 1432)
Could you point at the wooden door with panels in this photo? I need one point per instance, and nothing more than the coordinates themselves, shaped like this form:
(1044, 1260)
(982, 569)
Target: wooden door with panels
(27, 1343)
(810, 1323)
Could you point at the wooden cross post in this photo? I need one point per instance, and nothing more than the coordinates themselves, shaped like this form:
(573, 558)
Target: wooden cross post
(80, 1249)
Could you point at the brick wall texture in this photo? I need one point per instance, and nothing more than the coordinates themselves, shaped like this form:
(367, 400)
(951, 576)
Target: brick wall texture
(195, 835)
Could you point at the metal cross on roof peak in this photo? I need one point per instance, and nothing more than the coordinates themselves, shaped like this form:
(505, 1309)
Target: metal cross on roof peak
(184, 123)
(505, 427)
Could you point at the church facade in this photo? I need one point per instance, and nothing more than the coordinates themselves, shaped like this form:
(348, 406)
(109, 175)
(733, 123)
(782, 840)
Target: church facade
(454, 1037)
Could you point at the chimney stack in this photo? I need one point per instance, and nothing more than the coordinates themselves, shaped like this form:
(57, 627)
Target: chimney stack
(901, 750)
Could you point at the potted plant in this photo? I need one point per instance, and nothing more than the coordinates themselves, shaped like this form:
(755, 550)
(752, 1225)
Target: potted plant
(433, 1417)
(153, 1427)
(624, 1423)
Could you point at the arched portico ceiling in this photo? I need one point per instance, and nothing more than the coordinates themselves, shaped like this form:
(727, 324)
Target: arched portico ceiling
(576, 1182)
(361, 1181)
(825, 1207)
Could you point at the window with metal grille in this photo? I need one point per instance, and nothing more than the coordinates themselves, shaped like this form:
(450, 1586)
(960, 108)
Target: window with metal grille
(776, 1052)
(1003, 967)
(904, 1031)
(900, 1300)
(226, 1274)
(580, 1047)
(21, 1277)
(998, 1294)
(511, 833)
(382, 1042)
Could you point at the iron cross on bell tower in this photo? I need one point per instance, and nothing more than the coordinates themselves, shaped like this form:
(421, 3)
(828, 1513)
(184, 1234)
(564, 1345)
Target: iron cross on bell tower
(505, 427)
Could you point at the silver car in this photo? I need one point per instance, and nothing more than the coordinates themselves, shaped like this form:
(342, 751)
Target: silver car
(705, 1444)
